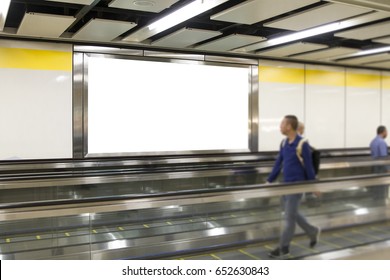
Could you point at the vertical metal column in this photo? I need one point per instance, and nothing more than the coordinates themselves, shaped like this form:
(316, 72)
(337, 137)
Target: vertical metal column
(254, 110)
(78, 114)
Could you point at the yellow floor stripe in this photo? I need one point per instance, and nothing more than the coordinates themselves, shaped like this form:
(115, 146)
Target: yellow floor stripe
(331, 244)
(305, 248)
(120, 228)
(94, 231)
(268, 247)
(8, 240)
(38, 237)
(196, 256)
(366, 234)
(255, 245)
(146, 226)
(191, 220)
(212, 218)
(379, 229)
(233, 216)
(346, 238)
(242, 251)
(67, 234)
(169, 223)
(215, 257)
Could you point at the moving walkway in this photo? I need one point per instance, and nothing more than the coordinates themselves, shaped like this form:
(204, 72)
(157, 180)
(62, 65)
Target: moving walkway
(156, 208)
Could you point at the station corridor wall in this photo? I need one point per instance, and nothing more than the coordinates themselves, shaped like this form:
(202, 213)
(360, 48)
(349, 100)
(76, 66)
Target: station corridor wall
(340, 106)
(35, 100)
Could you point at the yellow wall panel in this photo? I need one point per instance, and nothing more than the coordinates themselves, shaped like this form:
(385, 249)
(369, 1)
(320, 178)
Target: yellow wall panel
(35, 59)
(271, 74)
(361, 80)
(327, 78)
(385, 81)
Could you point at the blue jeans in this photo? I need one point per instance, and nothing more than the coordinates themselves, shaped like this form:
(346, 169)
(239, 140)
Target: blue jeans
(290, 204)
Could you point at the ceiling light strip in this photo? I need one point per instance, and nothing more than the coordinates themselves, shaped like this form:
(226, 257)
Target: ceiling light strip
(313, 32)
(4, 7)
(371, 4)
(365, 52)
(184, 13)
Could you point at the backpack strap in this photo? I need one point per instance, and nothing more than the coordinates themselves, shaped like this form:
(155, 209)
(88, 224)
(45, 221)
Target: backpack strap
(283, 143)
(299, 150)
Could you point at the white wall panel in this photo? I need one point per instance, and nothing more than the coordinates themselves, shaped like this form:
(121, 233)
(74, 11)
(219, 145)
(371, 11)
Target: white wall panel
(325, 106)
(363, 106)
(385, 103)
(341, 107)
(35, 100)
(281, 92)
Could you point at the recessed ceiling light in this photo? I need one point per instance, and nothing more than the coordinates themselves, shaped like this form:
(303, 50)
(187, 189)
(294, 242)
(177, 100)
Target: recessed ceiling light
(144, 3)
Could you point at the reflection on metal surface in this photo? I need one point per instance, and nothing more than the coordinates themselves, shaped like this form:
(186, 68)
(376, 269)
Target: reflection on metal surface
(78, 61)
(217, 231)
(177, 211)
(172, 55)
(107, 50)
(116, 244)
(243, 192)
(231, 60)
(361, 211)
(376, 251)
(253, 111)
(118, 168)
(132, 240)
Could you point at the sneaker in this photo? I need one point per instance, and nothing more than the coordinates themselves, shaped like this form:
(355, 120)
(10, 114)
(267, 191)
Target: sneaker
(278, 253)
(314, 241)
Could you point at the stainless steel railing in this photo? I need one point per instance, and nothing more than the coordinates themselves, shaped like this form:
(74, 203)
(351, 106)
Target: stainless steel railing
(201, 197)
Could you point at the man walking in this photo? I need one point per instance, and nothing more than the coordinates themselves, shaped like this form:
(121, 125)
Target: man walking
(379, 150)
(293, 171)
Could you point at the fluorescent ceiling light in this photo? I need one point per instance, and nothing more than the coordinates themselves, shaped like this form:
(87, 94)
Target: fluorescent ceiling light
(300, 35)
(379, 5)
(4, 6)
(306, 33)
(184, 13)
(313, 31)
(372, 51)
(366, 52)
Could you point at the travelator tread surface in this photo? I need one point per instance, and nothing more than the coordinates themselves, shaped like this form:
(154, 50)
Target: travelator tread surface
(330, 241)
(101, 233)
(113, 230)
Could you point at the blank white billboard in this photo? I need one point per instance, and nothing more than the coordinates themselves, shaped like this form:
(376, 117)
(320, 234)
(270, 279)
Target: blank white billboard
(138, 106)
